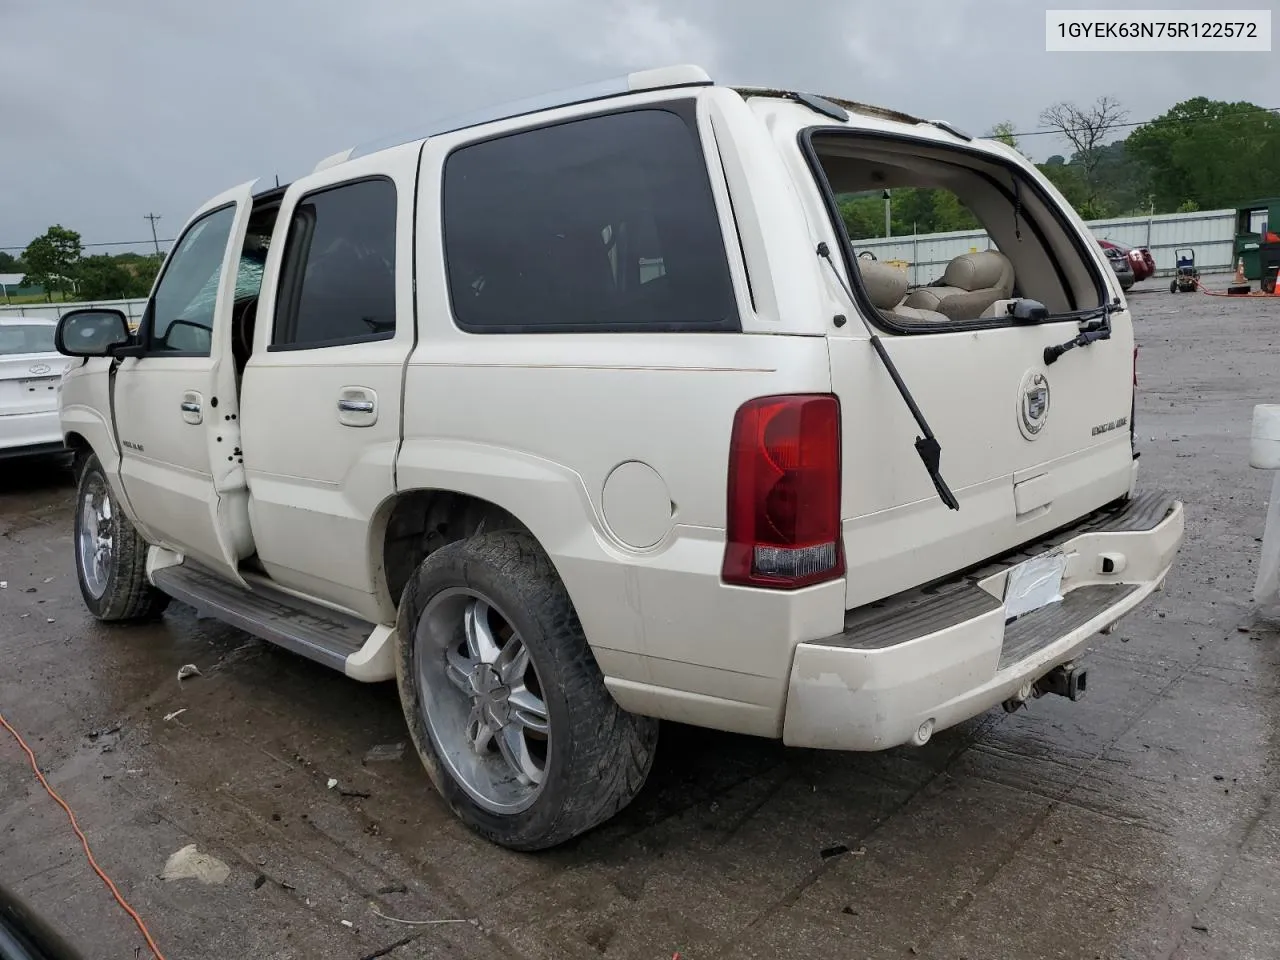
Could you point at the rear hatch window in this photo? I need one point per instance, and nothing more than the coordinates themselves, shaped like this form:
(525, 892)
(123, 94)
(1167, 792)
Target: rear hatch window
(1030, 442)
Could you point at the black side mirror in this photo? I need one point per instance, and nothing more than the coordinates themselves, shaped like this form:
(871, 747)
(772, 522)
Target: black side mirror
(91, 332)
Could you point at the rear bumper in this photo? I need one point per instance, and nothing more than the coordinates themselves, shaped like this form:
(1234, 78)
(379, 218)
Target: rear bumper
(936, 656)
(30, 434)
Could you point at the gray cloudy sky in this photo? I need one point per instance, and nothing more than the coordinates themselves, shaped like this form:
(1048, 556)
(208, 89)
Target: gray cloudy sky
(113, 109)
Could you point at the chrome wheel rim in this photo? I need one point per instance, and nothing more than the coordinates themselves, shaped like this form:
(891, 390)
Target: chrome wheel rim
(94, 547)
(482, 700)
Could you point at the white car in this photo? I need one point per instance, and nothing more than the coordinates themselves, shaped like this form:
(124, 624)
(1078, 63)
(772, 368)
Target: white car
(579, 418)
(30, 372)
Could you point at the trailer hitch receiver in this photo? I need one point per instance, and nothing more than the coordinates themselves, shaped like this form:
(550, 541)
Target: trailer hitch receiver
(1067, 681)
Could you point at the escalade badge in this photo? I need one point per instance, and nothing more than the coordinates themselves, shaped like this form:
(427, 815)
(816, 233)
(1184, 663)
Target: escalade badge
(1033, 404)
(39, 368)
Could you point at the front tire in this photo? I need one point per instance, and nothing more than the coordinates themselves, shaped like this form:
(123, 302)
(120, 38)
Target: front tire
(505, 703)
(111, 558)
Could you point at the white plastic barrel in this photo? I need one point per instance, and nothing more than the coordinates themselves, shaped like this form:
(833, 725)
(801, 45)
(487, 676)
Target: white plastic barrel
(1264, 453)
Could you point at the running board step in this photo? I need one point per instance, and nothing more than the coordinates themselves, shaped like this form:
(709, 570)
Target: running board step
(326, 636)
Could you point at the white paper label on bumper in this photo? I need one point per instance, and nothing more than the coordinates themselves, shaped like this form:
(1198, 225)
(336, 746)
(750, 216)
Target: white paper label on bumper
(1033, 584)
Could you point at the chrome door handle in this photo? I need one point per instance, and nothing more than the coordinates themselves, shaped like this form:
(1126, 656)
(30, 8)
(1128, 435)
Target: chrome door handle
(189, 406)
(355, 406)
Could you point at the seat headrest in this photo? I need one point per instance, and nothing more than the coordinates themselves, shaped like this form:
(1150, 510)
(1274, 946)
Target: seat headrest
(886, 285)
(978, 271)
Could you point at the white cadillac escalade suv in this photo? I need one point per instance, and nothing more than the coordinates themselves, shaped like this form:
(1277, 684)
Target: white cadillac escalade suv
(589, 413)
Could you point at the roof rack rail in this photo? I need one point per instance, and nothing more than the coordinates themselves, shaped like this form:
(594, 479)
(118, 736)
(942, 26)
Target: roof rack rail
(661, 78)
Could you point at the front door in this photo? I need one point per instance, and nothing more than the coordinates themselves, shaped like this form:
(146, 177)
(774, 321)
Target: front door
(175, 405)
(321, 394)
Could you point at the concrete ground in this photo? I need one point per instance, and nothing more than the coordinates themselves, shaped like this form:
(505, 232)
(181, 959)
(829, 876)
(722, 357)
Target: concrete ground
(1141, 823)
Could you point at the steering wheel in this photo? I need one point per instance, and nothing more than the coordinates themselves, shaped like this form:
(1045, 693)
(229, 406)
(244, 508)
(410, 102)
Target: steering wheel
(866, 255)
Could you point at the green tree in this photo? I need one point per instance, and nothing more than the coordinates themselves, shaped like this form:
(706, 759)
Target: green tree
(144, 269)
(1214, 153)
(863, 215)
(51, 260)
(1069, 180)
(1085, 128)
(10, 264)
(1123, 181)
(104, 278)
(1003, 131)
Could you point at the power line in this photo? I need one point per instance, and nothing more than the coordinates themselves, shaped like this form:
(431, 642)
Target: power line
(111, 243)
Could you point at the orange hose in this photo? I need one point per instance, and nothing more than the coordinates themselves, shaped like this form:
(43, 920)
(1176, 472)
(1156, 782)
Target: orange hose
(1260, 295)
(83, 840)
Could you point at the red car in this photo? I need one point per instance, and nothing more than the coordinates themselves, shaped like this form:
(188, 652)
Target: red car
(1144, 265)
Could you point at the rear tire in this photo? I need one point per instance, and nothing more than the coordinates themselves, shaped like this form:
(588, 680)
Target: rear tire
(1173, 286)
(505, 703)
(111, 558)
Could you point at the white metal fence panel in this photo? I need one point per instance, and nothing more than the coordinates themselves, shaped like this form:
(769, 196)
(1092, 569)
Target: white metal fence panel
(1210, 234)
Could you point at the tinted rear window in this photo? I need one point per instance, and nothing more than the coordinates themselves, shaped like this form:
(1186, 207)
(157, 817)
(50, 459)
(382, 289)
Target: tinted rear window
(606, 223)
(338, 283)
(19, 338)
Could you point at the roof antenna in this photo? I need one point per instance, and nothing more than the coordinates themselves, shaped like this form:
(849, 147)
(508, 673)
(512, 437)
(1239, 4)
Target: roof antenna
(1017, 206)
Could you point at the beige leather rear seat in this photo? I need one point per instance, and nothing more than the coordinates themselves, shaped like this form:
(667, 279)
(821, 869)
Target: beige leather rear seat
(886, 286)
(971, 283)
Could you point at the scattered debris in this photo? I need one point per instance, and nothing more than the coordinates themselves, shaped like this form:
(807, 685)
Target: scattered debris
(104, 732)
(393, 888)
(347, 923)
(332, 783)
(1200, 926)
(849, 911)
(384, 752)
(1219, 777)
(258, 883)
(188, 670)
(47, 580)
(414, 923)
(176, 713)
(190, 864)
(4, 584)
(835, 851)
(49, 620)
(356, 794)
(287, 886)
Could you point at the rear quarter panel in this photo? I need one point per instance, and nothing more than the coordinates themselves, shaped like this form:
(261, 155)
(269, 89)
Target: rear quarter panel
(613, 450)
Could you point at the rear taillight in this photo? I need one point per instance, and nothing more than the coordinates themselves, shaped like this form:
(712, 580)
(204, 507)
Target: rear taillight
(784, 493)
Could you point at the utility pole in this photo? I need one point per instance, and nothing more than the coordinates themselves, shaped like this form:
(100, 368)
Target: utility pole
(887, 231)
(153, 217)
